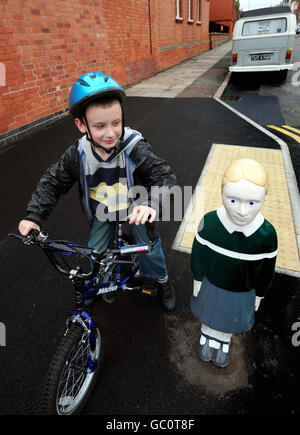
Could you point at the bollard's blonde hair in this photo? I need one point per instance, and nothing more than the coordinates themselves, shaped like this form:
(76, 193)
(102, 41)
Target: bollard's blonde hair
(246, 169)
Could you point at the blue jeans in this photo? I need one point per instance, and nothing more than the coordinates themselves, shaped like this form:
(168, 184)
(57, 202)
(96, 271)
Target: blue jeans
(152, 265)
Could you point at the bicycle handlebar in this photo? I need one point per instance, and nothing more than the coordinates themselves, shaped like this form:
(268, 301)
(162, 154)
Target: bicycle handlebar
(64, 247)
(41, 239)
(61, 247)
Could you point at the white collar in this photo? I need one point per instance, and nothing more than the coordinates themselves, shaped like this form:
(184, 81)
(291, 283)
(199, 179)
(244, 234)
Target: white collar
(248, 230)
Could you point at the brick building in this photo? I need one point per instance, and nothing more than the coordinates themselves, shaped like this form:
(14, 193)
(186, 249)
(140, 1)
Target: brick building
(46, 45)
(223, 12)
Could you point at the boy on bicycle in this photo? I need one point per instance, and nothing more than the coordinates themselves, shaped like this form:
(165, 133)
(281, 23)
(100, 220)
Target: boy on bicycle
(108, 162)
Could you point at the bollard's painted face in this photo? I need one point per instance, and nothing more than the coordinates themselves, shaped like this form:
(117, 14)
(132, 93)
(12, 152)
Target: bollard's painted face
(242, 201)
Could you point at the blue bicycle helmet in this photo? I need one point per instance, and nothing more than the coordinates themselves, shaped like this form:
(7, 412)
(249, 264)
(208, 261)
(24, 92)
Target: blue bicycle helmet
(90, 86)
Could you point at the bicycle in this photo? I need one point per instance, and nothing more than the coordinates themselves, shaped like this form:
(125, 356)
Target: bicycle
(77, 361)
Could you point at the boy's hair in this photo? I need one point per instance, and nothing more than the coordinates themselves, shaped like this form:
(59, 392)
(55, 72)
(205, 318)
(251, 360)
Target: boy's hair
(246, 169)
(106, 100)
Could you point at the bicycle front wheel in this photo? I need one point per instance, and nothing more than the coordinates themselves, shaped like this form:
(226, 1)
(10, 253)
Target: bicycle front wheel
(69, 382)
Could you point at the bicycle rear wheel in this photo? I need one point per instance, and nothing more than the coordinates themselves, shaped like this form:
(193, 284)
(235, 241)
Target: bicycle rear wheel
(69, 384)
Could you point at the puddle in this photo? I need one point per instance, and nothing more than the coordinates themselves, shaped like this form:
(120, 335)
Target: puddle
(184, 336)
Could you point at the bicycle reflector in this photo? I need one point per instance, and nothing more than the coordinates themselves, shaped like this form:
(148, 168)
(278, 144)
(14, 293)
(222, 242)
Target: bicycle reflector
(149, 292)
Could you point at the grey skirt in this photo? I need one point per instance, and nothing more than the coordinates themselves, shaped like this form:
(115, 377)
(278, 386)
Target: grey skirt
(223, 310)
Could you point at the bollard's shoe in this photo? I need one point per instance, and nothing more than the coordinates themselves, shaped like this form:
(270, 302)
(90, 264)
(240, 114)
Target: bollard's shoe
(220, 357)
(204, 350)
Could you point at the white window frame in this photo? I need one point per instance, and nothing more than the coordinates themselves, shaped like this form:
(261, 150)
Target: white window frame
(190, 20)
(199, 12)
(178, 7)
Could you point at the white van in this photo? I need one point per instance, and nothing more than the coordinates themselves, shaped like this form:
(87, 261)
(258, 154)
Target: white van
(263, 40)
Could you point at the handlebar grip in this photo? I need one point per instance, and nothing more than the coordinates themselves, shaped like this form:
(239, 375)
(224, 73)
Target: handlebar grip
(134, 249)
(34, 233)
(16, 236)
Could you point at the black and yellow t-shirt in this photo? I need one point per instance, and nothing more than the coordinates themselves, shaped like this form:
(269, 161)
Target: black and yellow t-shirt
(108, 181)
(108, 188)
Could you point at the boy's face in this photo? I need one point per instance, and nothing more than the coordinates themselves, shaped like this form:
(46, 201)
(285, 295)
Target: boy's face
(105, 123)
(242, 201)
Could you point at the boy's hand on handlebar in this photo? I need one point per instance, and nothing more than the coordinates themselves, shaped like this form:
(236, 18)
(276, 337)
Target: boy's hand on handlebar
(141, 214)
(26, 226)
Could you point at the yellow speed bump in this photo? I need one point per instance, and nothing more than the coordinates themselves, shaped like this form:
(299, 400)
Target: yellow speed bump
(276, 209)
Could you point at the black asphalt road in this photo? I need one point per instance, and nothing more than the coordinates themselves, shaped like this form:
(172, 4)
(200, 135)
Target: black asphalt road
(140, 374)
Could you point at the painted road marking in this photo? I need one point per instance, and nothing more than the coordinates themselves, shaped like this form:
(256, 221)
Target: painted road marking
(276, 208)
(291, 128)
(286, 132)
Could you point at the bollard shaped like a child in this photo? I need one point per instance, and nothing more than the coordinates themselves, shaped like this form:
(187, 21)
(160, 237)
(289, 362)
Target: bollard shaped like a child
(233, 261)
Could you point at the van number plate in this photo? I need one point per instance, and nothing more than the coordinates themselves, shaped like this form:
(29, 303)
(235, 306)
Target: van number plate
(261, 57)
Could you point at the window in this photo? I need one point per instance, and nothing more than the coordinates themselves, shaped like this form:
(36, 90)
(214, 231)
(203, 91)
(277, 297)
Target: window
(179, 10)
(199, 12)
(264, 27)
(190, 20)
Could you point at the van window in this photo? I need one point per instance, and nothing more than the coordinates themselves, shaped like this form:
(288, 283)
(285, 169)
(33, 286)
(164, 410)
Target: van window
(264, 27)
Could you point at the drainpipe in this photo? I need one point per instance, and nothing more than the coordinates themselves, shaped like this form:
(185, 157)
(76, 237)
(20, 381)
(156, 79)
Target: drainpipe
(150, 35)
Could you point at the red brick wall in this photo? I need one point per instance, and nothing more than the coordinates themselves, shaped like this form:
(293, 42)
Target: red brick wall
(46, 45)
(180, 40)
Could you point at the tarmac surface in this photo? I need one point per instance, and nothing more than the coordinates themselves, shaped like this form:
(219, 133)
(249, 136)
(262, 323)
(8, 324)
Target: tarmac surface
(151, 365)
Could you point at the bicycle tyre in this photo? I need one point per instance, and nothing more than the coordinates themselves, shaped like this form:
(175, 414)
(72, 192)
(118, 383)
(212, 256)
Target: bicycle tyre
(66, 359)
